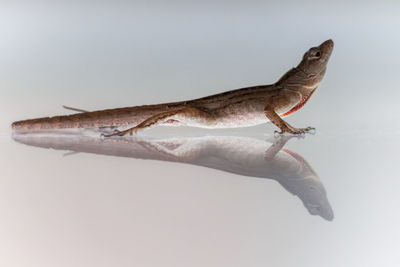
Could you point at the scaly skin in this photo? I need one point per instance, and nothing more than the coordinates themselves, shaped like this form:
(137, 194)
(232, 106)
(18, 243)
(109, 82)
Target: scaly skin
(237, 108)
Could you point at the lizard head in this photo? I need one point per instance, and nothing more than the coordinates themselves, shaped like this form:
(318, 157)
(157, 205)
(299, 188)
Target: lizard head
(315, 60)
(311, 69)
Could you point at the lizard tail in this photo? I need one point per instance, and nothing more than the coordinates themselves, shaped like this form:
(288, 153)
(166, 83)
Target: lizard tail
(102, 118)
(47, 123)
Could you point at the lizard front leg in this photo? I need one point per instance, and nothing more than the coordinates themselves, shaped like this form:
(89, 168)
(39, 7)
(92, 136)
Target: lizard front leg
(284, 126)
(184, 114)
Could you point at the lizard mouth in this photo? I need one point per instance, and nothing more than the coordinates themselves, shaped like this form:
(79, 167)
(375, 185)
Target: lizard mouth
(326, 48)
(301, 103)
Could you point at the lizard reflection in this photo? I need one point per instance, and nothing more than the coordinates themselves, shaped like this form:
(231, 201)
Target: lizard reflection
(239, 155)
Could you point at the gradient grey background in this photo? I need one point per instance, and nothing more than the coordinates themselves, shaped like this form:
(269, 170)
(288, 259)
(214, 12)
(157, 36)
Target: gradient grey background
(91, 210)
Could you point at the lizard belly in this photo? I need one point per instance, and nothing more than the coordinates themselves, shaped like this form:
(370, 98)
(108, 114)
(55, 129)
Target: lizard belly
(239, 115)
(229, 121)
(241, 120)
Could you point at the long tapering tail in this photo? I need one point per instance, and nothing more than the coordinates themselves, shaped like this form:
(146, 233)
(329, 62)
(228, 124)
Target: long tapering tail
(103, 118)
(49, 123)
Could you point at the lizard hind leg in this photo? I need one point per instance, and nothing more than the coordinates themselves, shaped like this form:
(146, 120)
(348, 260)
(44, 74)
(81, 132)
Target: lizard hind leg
(193, 115)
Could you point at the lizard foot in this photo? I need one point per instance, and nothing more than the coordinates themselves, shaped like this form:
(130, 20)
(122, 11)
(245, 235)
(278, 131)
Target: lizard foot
(121, 133)
(116, 132)
(296, 131)
(301, 131)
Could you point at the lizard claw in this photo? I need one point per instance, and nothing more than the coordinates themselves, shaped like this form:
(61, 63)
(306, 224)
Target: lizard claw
(311, 130)
(116, 132)
(300, 132)
(303, 131)
(106, 135)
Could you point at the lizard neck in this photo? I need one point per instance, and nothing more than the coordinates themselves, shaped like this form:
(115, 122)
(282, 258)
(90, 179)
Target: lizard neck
(301, 82)
(298, 80)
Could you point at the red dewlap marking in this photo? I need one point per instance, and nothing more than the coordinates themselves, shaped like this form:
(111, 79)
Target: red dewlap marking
(302, 102)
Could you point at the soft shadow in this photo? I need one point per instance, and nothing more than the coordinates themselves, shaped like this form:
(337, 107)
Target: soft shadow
(240, 155)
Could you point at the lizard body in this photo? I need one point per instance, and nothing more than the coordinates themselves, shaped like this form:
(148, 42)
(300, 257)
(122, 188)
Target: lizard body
(237, 108)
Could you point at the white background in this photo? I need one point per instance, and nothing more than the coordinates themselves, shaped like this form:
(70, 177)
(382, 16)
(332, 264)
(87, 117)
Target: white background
(91, 210)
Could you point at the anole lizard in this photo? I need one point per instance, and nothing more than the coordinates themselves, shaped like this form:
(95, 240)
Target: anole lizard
(237, 108)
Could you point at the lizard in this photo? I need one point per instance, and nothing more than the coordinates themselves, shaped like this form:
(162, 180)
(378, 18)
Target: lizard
(236, 108)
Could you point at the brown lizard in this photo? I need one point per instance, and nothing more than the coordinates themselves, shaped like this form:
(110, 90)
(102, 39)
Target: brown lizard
(237, 108)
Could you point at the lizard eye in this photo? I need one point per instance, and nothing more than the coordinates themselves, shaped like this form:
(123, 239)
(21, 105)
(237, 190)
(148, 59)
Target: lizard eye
(315, 54)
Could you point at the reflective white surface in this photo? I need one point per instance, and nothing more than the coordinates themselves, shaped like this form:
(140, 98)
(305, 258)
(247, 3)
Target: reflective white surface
(101, 209)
